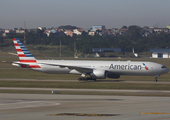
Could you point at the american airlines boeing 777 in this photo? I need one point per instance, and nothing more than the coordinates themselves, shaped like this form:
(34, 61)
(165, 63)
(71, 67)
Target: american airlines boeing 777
(95, 69)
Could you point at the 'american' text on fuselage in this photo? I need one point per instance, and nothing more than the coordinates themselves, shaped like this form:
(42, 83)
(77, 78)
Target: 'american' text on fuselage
(125, 67)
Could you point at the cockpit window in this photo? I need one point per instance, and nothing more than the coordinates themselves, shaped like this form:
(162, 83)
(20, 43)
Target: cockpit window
(163, 67)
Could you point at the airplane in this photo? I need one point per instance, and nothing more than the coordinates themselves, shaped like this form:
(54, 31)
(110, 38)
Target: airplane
(95, 69)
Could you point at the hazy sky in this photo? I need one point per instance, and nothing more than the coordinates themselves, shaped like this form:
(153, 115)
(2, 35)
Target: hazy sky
(84, 13)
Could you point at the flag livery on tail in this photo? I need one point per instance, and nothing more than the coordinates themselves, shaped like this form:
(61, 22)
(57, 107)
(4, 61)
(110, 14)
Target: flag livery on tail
(27, 60)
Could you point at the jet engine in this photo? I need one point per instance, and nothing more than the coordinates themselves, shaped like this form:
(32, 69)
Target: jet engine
(99, 74)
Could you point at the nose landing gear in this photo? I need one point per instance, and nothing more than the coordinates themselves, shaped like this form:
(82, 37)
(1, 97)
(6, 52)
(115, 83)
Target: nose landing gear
(156, 77)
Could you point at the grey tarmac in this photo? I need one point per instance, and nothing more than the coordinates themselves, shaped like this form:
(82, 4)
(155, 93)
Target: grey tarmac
(82, 107)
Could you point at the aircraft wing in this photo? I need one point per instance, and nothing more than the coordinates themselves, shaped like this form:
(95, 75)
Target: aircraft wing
(78, 68)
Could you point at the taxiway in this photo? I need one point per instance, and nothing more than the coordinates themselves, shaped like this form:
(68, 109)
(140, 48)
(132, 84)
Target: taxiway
(82, 107)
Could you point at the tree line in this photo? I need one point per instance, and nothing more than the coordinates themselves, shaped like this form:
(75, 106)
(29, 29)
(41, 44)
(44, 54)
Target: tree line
(134, 38)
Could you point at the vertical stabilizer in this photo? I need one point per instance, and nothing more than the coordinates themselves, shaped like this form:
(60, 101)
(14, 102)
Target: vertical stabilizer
(27, 60)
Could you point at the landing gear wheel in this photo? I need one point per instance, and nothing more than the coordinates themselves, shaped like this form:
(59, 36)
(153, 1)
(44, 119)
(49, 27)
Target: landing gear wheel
(82, 79)
(156, 78)
(86, 79)
(79, 79)
(90, 78)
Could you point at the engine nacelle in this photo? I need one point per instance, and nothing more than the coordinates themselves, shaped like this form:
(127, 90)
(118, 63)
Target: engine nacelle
(99, 74)
(111, 75)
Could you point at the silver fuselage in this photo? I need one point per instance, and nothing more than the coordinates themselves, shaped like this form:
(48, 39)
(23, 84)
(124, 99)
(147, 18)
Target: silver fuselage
(116, 67)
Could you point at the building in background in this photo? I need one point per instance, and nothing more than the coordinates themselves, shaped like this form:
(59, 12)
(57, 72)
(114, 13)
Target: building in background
(160, 53)
(99, 27)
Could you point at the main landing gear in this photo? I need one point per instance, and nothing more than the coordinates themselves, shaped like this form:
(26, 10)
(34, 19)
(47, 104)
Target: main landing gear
(156, 77)
(86, 79)
(83, 78)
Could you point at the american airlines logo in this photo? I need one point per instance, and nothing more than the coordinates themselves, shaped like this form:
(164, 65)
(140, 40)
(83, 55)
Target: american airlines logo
(128, 67)
(146, 68)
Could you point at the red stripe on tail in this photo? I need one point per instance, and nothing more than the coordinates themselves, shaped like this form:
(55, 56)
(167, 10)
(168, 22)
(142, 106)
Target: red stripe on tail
(14, 39)
(21, 55)
(16, 44)
(19, 50)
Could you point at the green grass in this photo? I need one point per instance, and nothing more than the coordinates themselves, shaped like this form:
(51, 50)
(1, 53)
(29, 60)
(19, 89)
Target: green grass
(29, 74)
(84, 85)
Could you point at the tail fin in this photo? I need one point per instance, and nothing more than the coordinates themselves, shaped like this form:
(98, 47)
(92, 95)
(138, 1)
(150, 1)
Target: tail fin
(27, 60)
(23, 54)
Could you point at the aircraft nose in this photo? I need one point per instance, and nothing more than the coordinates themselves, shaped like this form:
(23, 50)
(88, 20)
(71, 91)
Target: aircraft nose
(165, 70)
